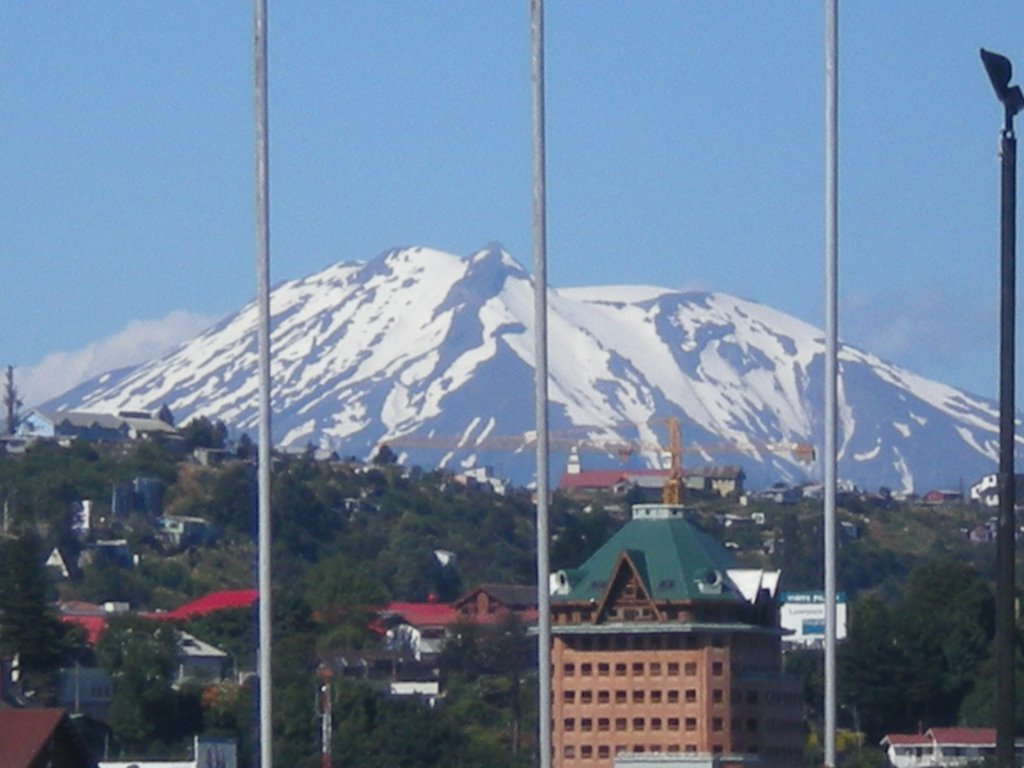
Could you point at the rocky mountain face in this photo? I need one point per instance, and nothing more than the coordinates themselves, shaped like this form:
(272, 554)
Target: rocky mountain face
(432, 353)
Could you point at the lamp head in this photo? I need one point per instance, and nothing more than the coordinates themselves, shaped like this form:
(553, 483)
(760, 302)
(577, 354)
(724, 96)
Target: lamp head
(1000, 70)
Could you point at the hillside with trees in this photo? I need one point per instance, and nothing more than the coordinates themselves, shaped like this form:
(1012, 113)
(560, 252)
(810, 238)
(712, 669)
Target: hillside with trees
(349, 538)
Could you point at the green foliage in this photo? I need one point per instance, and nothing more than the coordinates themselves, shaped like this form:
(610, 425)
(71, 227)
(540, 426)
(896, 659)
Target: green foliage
(201, 432)
(28, 625)
(147, 715)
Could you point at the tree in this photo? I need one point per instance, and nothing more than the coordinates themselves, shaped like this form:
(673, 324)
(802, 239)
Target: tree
(28, 626)
(12, 403)
(385, 457)
(200, 432)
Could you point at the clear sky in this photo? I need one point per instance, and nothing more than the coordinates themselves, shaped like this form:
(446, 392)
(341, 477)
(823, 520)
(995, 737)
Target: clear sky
(685, 149)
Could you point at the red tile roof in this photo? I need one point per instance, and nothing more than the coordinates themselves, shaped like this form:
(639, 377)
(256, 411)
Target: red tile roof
(903, 739)
(23, 734)
(424, 614)
(94, 626)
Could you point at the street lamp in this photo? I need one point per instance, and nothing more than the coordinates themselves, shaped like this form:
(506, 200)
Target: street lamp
(1000, 71)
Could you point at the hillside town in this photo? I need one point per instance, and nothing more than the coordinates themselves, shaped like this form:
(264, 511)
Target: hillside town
(689, 630)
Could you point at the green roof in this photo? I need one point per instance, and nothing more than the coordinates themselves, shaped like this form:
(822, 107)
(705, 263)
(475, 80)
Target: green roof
(674, 560)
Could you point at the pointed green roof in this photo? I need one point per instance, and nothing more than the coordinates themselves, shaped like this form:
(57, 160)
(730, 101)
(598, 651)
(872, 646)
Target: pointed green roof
(675, 560)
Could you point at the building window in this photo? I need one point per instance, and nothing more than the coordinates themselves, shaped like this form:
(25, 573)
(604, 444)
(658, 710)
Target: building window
(603, 697)
(691, 695)
(603, 751)
(716, 749)
(717, 668)
(691, 748)
(691, 723)
(569, 751)
(655, 697)
(569, 670)
(716, 696)
(586, 669)
(691, 668)
(586, 697)
(586, 724)
(620, 723)
(620, 697)
(673, 667)
(603, 724)
(716, 724)
(569, 724)
(569, 697)
(673, 723)
(638, 667)
(655, 668)
(587, 751)
(655, 723)
(638, 723)
(603, 669)
(638, 697)
(620, 668)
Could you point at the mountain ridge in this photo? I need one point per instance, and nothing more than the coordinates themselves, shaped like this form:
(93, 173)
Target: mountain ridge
(430, 347)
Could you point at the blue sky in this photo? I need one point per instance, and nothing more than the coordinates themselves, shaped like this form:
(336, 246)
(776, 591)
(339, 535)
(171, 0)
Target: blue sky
(685, 149)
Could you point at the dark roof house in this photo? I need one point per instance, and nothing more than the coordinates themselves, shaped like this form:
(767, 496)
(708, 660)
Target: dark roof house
(41, 738)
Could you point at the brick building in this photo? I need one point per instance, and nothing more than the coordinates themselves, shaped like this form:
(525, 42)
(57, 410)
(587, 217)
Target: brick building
(666, 654)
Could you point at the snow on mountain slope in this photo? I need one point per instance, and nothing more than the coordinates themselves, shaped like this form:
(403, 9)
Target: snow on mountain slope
(434, 353)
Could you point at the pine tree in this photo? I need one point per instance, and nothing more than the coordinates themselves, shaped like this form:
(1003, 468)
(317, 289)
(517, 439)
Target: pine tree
(12, 403)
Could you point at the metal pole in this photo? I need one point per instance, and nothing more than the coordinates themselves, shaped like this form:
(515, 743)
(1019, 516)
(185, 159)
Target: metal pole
(831, 363)
(540, 305)
(263, 300)
(1005, 535)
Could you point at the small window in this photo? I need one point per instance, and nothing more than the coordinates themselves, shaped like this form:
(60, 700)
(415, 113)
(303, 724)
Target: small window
(569, 697)
(620, 723)
(638, 697)
(586, 669)
(638, 723)
(586, 724)
(586, 750)
(673, 723)
(603, 697)
(691, 748)
(603, 669)
(569, 751)
(691, 695)
(716, 696)
(655, 723)
(717, 668)
(586, 697)
(620, 668)
(603, 724)
(691, 668)
(620, 697)
(655, 668)
(655, 697)
(717, 724)
(638, 668)
(673, 697)
(569, 670)
(673, 668)
(717, 749)
(691, 723)
(569, 724)
(603, 751)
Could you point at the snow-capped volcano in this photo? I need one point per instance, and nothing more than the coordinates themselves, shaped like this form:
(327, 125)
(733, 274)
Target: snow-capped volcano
(433, 354)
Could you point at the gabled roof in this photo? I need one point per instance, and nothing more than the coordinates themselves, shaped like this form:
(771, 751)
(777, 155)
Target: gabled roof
(25, 732)
(423, 614)
(676, 562)
(963, 736)
(215, 601)
(513, 596)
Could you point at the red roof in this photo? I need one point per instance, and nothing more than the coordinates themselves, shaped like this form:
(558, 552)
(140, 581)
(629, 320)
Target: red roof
(94, 626)
(606, 478)
(211, 603)
(968, 736)
(903, 739)
(24, 733)
(424, 614)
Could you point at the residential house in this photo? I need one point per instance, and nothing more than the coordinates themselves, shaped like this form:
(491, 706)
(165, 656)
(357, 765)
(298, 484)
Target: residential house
(41, 738)
(207, 752)
(943, 747)
(198, 661)
(490, 602)
(85, 690)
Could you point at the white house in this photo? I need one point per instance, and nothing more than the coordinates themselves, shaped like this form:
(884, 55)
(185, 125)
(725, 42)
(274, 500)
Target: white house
(942, 747)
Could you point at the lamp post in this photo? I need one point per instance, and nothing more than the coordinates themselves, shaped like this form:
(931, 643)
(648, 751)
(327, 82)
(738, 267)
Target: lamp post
(999, 72)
